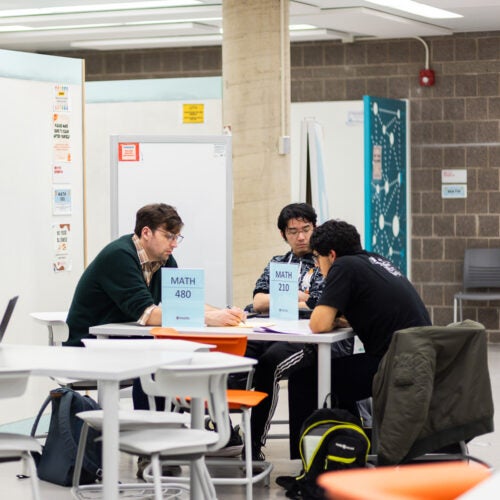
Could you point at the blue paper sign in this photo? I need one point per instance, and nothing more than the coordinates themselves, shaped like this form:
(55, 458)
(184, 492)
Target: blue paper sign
(284, 299)
(182, 297)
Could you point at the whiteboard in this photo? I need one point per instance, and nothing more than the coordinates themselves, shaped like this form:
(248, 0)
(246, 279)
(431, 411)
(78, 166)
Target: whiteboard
(103, 119)
(193, 174)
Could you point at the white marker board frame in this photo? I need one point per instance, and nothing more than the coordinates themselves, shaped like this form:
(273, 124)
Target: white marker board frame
(193, 174)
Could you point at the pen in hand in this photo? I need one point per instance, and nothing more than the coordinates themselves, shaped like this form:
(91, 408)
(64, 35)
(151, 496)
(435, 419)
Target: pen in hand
(243, 319)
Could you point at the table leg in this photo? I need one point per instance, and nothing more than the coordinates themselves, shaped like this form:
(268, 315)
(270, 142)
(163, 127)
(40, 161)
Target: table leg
(197, 422)
(109, 400)
(324, 372)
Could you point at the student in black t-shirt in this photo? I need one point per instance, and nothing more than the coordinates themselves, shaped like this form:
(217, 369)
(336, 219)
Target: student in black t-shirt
(377, 300)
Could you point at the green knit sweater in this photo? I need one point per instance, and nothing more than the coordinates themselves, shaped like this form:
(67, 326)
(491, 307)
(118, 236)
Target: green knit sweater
(112, 290)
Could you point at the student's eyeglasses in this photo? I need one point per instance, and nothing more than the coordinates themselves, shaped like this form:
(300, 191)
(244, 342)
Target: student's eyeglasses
(315, 258)
(293, 231)
(171, 236)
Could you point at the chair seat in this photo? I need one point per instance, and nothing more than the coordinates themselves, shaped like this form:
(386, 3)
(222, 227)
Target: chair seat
(436, 481)
(478, 295)
(134, 419)
(18, 443)
(237, 398)
(167, 441)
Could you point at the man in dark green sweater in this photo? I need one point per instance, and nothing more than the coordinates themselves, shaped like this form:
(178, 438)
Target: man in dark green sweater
(122, 283)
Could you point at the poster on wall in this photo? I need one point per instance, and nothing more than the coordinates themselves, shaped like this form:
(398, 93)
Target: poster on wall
(386, 179)
(62, 244)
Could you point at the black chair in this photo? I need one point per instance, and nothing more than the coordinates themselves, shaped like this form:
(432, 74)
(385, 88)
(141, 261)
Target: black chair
(481, 271)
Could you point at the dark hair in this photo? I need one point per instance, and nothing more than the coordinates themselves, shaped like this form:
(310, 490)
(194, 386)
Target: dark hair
(157, 215)
(335, 235)
(302, 211)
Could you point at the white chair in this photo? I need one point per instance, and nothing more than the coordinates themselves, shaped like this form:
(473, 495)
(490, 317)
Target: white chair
(202, 380)
(134, 419)
(15, 447)
(481, 270)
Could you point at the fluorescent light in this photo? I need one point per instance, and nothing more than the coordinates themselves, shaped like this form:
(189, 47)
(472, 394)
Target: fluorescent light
(417, 8)
(14, 28)
(295, 27)
(169, 24)
(153, 4)
(153, 42)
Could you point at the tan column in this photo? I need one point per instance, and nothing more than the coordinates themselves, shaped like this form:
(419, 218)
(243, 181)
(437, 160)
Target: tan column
(256, 105)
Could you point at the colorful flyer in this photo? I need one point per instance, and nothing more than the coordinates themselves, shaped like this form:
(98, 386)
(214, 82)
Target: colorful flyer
(62, 242)
(61, 98)
(61, 200)
(284, 301)
(61, 136)
(128, 151)
(183, 297)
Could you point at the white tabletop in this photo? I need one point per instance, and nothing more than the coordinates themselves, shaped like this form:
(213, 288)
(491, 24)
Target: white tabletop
(108, 367)
(50, 317)
(76, 362)
(302, 332)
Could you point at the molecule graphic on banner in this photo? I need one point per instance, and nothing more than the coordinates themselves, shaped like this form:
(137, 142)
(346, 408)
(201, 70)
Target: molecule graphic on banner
(388, 203)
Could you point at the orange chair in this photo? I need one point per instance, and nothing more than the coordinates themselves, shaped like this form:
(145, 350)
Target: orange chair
(238, 400)
(430, 481)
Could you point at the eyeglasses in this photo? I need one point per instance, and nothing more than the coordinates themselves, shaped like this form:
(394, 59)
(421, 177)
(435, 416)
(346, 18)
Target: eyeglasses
(171, 236)
(293, 231)
(315, 258)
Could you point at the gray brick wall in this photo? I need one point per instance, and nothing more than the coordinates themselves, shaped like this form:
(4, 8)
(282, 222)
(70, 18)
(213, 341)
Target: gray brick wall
(454, 124)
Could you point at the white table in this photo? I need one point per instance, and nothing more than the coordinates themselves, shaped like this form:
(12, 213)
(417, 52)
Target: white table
(301, 327)
(108, 368)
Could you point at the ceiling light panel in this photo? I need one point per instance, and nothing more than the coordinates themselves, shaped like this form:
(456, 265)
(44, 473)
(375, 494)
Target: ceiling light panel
(362, 21)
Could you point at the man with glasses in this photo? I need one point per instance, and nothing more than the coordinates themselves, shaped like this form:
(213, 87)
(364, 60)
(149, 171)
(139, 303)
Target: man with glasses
(276, 359)
(123, 283)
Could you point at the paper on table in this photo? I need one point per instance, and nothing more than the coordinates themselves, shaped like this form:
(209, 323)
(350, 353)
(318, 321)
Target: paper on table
(254, 324)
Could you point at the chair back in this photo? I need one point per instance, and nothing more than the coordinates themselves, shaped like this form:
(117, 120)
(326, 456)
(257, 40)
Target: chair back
(481, 268)
(432, 389)
(204, 379)
(13, 383)
(229, 343)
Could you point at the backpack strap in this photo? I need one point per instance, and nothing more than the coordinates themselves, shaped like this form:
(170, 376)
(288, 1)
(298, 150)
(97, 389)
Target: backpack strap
(48, 399)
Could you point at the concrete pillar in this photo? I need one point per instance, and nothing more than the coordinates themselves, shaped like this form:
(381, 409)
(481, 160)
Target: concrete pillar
(256, 105)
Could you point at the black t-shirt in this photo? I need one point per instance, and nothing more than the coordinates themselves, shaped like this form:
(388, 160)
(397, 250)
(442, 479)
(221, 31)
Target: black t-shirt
(375, 297)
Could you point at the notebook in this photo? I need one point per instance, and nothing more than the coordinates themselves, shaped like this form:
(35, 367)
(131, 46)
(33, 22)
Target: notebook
(6, 316)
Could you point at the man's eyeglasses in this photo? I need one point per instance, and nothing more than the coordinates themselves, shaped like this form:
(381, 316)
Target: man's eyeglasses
(293, 231)
(171, 236)
(315, 258)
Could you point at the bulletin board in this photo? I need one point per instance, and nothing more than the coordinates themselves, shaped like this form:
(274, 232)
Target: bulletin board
(193, 174)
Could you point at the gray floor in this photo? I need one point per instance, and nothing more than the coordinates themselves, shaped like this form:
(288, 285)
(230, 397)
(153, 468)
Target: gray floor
(486, 447)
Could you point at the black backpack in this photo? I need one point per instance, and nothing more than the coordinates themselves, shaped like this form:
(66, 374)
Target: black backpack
(330, 439)
(57, 461)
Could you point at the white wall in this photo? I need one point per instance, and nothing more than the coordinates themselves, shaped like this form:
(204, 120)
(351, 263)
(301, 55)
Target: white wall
(27, 90)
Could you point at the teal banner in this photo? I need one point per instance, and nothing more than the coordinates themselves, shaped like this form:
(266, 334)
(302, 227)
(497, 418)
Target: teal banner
(386, 179)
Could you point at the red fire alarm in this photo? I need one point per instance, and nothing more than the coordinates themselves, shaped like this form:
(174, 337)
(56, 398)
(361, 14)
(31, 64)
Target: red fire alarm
(426, 78)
